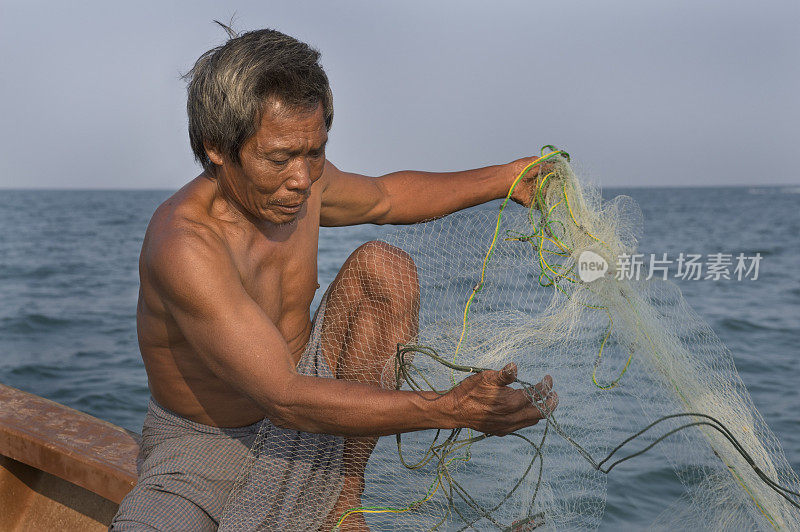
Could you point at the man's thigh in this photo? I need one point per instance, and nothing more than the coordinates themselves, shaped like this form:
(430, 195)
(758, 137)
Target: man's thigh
(186, 472)
(372, 305)
(155, 505)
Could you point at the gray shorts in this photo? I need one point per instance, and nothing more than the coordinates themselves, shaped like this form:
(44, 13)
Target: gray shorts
(188, 471)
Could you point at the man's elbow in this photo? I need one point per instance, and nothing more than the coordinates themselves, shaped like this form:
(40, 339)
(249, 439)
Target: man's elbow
(381, 213)
(284, 421)
(282, 407)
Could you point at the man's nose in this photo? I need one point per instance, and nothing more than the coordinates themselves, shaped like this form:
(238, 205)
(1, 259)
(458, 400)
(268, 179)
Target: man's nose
(300, 179)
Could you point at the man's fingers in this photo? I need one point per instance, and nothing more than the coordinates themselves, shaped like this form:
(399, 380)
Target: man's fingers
(546, 398)
(541, 402)
(524, 417)
(519, 401)
(545, 405)
(535, 413)
(518, 408)
(542, 389)
(507, 375)
(545, 167)
(551, 403)
(528, 415)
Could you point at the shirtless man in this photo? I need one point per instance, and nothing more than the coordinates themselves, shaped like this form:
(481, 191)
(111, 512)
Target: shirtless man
(228, 272)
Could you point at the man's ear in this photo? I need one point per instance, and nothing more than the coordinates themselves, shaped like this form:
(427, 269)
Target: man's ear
(213, 153)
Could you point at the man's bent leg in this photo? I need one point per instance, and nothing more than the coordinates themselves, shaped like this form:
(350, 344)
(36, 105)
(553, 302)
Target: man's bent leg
(373, 304)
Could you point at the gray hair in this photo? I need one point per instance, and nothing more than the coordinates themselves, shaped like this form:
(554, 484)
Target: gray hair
(230, 84)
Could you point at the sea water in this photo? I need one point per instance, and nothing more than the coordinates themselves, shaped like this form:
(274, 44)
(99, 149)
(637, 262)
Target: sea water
(69, 283)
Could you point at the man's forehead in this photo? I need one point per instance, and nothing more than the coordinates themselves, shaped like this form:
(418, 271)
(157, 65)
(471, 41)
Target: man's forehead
(285, 127)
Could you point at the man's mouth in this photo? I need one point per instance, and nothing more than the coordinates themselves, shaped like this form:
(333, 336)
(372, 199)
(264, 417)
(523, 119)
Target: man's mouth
(290, 208)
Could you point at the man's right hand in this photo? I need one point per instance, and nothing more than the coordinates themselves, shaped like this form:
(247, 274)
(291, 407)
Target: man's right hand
(485, 402)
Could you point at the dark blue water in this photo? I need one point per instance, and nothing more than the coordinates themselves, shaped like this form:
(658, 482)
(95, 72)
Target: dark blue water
(68, 287)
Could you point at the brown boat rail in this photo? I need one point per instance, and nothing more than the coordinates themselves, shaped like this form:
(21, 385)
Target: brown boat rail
(60, 469)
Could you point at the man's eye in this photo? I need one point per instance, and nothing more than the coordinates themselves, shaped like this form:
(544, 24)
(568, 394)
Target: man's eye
(279, 162)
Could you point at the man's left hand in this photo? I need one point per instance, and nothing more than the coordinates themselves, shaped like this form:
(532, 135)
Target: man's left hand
(525, 191)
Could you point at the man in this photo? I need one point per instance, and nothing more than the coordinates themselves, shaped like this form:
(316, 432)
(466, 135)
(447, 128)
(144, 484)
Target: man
(228, 271)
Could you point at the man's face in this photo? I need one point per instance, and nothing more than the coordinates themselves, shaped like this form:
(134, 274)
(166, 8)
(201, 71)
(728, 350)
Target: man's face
(278, 164)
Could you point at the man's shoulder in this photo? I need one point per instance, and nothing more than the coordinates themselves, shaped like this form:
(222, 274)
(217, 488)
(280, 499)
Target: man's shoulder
(330, 173)
(181, 235)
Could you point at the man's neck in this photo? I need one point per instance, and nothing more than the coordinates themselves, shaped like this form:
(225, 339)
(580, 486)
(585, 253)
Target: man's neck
(226, 207)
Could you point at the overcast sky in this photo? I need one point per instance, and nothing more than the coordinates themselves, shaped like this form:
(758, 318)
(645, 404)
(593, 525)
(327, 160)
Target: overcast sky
(639, 92)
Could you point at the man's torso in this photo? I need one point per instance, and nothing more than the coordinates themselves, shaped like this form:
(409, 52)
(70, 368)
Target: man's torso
(278, 269)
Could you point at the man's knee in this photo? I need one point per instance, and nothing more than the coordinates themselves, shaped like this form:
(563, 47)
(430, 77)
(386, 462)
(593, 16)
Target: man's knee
(386, 272)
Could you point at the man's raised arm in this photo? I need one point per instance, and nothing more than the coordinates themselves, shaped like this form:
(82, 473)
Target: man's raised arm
(233, 336)
(410, 196)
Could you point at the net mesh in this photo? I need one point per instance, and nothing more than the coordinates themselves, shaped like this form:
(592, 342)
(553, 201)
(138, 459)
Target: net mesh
(636, 370)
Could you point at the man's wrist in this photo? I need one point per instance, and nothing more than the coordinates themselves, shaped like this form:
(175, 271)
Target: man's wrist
(439, 410)
(502, 178)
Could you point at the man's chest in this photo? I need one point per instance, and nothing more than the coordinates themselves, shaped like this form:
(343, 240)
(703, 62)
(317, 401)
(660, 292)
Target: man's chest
(281, 276)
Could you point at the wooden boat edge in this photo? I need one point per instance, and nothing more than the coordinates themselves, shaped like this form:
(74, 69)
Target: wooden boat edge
(60, 467)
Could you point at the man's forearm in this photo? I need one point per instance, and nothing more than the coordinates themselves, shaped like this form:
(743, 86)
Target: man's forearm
(346, 408)
(417, 196)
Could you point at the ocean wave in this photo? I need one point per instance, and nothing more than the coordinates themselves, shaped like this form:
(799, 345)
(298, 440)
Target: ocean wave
(739, 324)
(37, 323)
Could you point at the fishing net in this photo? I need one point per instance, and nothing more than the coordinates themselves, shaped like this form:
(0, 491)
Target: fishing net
(635, 368)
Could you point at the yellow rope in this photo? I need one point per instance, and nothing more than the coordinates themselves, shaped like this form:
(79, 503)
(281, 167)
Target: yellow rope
(488, 255)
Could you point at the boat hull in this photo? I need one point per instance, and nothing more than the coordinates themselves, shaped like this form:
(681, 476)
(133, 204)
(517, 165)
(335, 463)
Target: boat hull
(60, 469)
